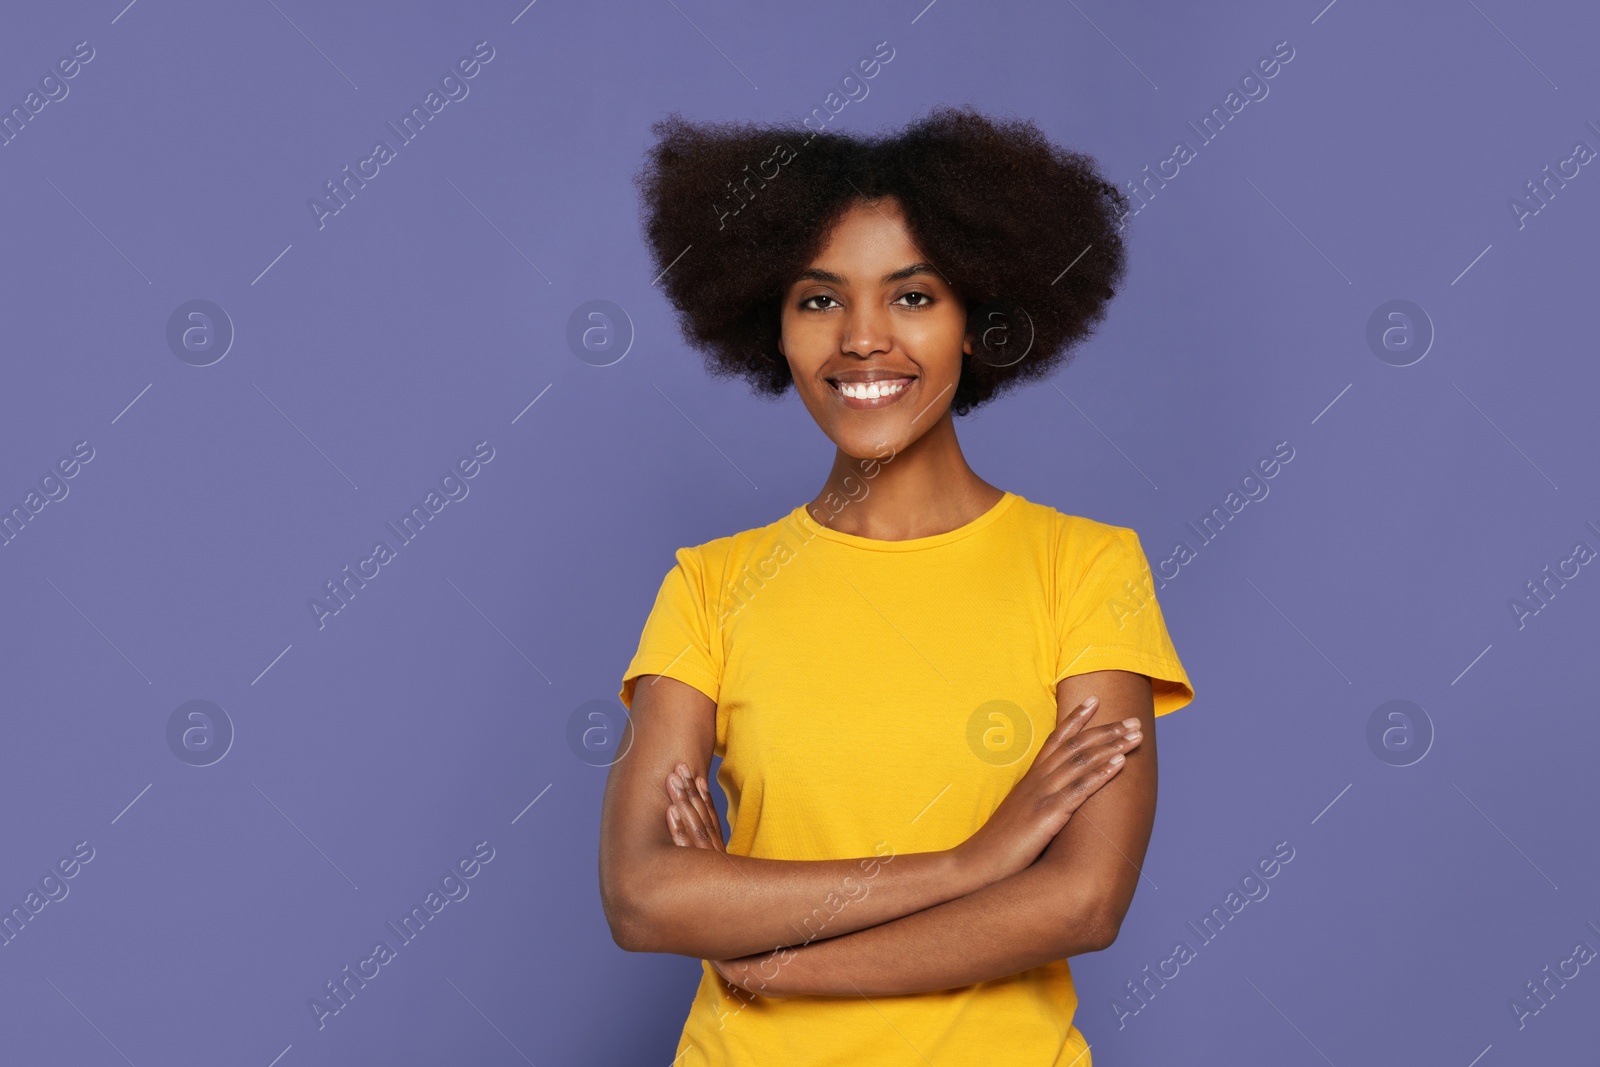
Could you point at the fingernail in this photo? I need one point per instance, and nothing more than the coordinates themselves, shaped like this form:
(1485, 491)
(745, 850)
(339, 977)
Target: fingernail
(672, 817)
(1091, 702)
(1130, 723)
(1118, 758)
(676, 786)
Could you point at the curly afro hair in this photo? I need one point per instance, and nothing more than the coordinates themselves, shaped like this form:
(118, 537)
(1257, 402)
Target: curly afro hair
(1020, 228)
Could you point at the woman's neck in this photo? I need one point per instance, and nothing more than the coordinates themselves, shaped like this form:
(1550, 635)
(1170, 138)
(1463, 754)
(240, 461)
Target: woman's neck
(924, 490)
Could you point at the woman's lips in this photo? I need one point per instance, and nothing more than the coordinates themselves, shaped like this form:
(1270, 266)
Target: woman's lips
(900, 387)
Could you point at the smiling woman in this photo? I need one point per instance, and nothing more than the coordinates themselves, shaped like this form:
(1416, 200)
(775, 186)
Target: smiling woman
(1004, 218)
(939, 681)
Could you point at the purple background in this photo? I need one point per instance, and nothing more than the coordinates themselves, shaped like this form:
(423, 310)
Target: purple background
(373, 753)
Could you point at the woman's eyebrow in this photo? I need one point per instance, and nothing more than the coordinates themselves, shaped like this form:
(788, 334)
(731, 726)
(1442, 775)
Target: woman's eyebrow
(908, 272)
(816, 274)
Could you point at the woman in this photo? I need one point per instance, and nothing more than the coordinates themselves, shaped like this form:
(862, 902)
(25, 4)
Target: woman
(934, 699)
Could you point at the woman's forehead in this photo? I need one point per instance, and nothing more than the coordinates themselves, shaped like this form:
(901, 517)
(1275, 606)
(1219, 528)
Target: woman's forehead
(868, 244)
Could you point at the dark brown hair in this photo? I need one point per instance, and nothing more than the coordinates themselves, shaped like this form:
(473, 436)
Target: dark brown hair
(1027, 234)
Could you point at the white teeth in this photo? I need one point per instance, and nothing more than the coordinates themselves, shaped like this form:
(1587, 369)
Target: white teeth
(870, 390)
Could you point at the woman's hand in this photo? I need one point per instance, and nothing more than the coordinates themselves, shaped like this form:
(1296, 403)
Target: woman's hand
(693, 823)
(742, 973)
(1069, 767)
(737, 973)
(691, 816)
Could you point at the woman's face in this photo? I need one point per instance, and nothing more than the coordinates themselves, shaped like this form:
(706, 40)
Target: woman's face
(870, 309)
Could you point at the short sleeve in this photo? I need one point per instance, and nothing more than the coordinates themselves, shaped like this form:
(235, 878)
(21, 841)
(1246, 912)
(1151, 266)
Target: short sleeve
(1110, 620)
(677, 638)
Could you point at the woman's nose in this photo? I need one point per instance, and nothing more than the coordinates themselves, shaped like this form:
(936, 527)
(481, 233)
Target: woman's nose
(867, 331)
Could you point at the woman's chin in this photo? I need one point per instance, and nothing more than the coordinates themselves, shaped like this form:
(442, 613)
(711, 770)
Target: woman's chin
(881, 445)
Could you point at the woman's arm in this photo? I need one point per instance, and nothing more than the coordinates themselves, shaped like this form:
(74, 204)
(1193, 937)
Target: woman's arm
(660, 897)
(1071, 900)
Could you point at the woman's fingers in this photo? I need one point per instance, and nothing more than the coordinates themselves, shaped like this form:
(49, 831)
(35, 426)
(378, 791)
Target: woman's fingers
(711, 808)
(1088, 769)
(733, 972)
(1066, 729)
(675, 827)
(700, 833)
(686, 826)
(1077, 748)
(1069, 724)
(681, 818)
(705, 813)
(695, 814)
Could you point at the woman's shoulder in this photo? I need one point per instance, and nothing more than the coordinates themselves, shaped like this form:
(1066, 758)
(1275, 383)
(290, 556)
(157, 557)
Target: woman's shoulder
(1065, 532)
(1071, 531)
(740, 544)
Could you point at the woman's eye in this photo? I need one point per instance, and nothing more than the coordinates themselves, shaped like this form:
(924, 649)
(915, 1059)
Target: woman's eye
(808, 301)
(922, 299)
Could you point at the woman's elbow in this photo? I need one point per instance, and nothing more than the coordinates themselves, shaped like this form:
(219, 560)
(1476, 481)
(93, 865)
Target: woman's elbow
(1098, 929)
(645, 908)
(625, 901)
(1103, 934)
(1087, 924)
(625, 929)
(629, 936)
(651, 905)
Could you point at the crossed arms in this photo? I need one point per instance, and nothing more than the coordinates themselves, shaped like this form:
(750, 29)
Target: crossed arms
(1050, 875)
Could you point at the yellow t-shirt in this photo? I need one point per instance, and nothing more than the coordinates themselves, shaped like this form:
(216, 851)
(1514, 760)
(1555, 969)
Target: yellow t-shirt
(877, 698)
